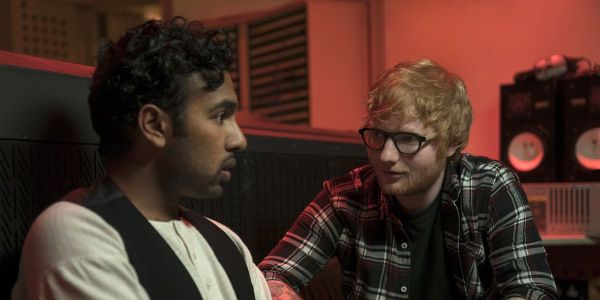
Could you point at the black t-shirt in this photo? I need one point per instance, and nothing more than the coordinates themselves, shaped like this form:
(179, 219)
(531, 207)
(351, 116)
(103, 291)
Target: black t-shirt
(429, 278)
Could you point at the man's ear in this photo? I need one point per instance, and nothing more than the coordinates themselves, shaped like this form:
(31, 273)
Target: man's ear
(154, 124)
(451, 151)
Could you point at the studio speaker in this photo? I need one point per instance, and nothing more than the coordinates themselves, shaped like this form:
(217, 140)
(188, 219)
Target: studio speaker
(529, 130)
(581, 159)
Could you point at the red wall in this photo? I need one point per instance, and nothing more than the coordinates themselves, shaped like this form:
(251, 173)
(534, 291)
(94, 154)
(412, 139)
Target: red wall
(338, 63)
(486, 42)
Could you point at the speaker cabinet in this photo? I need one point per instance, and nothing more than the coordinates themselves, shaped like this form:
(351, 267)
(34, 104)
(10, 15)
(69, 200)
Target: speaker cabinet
(581, 161)
(529, 130)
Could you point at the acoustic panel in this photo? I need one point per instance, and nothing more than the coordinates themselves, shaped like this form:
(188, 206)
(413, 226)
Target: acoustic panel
(44, 106)
(34, 175)
(278, 66)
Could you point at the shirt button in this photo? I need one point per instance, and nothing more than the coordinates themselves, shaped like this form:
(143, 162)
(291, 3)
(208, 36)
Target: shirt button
(403, 289)
(404, 245)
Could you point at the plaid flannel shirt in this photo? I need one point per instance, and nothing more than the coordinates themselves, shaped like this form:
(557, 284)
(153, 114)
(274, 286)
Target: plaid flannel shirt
(493, 249)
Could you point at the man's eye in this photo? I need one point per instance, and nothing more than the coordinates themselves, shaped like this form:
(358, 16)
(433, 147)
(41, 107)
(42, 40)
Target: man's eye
(379, 135)
(220, 117)
(406, 139)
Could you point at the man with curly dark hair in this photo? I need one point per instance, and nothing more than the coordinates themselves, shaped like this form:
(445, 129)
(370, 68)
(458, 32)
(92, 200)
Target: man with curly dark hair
(164, 107)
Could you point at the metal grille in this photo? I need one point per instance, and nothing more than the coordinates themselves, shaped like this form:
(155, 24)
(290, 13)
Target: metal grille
(569, 210)
(44, 29)
(565, 208)
(279, 67)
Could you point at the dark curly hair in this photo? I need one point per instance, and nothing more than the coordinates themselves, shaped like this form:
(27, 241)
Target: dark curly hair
(152, 63)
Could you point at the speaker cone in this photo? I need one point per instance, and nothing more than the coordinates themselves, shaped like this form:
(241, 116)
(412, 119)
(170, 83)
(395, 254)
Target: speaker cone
(587, 149)
(526, 151)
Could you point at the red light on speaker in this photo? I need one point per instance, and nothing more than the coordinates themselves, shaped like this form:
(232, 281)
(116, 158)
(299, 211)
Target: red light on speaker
(525, 152)
(573, 236)
(587, 149)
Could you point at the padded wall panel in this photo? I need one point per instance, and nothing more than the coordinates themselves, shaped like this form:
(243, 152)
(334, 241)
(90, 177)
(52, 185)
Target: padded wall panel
(44, 106)
(34, 175)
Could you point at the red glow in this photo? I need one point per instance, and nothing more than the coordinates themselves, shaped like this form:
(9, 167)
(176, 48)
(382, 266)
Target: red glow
(587, 149)
(525, 152)
(588, 163)
(564, 236)
(32, 62)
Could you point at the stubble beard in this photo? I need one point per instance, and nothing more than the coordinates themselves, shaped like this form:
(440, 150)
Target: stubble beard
(184, 177)
(416, 183)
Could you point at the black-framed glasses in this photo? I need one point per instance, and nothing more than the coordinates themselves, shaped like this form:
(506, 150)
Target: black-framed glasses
(407, 143)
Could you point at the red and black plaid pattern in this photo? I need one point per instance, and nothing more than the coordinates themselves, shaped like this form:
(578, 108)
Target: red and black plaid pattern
(493, 248)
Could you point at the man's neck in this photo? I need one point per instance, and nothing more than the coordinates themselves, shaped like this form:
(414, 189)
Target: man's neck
(140, 184)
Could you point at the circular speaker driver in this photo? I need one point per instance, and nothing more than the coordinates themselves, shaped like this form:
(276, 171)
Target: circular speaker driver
(526, 151)
(587, 149)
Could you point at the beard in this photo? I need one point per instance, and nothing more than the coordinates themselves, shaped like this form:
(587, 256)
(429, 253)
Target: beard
(416, 182)
(185, 175)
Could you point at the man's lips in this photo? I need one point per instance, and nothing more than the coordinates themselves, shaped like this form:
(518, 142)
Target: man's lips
(394, 175)
(226, 170)
(225, 175)
(229, 164)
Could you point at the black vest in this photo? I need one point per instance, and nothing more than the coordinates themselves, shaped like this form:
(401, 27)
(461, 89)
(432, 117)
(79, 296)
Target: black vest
(159, 270)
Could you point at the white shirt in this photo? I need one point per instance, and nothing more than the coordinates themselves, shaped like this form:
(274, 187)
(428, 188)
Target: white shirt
(71, 253)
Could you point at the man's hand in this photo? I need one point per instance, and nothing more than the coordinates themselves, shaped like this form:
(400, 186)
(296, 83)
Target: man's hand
(282, 291)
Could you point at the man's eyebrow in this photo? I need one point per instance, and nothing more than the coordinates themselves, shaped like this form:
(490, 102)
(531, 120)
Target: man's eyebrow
(226, 104)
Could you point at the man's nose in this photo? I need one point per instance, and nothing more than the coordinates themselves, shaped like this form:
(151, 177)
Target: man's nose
(237, 140)
(389, 152)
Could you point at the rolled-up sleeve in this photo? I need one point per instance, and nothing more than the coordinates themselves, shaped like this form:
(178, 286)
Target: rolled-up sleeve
(307, 246)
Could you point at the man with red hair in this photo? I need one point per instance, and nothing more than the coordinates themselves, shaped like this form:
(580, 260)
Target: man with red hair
(422, 220)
